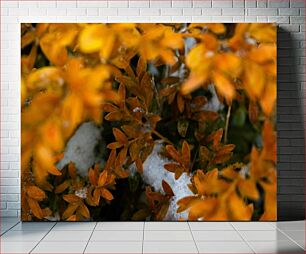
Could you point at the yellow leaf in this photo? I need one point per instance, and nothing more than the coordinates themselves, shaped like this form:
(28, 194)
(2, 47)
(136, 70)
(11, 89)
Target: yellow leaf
(254, 79)
(248, 189)
(224, 86)
(92, 37)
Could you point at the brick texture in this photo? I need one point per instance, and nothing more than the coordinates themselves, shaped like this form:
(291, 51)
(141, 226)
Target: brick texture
(289, 14)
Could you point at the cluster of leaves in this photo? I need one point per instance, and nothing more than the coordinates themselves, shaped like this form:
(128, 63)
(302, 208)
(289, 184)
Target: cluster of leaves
(145, 83)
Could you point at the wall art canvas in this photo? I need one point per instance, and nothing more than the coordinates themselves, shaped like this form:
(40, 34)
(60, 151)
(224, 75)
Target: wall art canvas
(148, 122)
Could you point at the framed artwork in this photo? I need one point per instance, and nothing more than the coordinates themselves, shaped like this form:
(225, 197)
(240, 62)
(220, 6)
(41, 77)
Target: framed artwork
(148, 122)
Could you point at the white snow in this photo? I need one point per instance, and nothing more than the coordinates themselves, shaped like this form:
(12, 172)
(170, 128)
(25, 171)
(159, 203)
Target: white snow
(153, 174)
(80, 149)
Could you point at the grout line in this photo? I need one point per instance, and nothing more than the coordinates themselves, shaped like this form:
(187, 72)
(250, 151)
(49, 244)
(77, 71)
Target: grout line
(10, 228)
(143, 232)
(90, 237)
(290, 238)
(42, 238)
(193, 237)
(244, 240)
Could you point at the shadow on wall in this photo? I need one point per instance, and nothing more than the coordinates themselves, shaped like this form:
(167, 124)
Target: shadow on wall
(290, 125)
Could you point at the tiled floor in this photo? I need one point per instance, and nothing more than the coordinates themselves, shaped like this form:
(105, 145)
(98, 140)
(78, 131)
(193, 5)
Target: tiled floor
(152, 237)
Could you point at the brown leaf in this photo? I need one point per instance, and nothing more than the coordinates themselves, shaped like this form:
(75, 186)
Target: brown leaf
(35, 208)
(167, 189)
(96, 196)
(70, 210)
(121, 157)
(134, 150)
(186, 154)
(114, 116)
(141, 66)
(35, 193)
(92, 177)
(162, 212)
(120, 136)
(173, 153)
(180, 102)
(114, 145)
(72, 218)
(72, 170)
(172, 167)
(83, 210)
(139, 165)
(62, 187)
(108, 107)
(110, 161)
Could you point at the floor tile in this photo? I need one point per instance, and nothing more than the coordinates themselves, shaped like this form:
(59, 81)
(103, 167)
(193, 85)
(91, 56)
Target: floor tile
(223, 247)
(33, 226)
(252, 226)
(295, 234)
(63, 226)
(60, 247)
(23, 236)
(169, 247)
(210, 226)
(166, 225)
(291, 225)
(216, 236)
(6, 225)
(70, 236)
(276, 247)
(111, 247)
(273, 235)
(167, 236)
(17, 247)
(120, 225)
(100, 236)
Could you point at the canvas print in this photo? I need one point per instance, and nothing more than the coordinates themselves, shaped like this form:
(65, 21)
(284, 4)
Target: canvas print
(148, 122)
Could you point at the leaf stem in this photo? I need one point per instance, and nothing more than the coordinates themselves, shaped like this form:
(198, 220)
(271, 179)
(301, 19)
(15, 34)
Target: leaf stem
(162, 137)
(228, 115)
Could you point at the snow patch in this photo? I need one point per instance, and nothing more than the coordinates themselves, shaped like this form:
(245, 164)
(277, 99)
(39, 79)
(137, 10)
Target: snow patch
(153, 174)
(81, 147)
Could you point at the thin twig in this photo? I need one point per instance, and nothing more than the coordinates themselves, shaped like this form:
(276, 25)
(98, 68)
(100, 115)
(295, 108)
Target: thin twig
(162, 137)
(227, 123)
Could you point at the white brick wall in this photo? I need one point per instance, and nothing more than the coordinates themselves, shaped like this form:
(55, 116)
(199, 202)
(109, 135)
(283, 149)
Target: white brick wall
(290, 14)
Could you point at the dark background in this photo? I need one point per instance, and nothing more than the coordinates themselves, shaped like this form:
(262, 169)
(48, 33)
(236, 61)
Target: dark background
(290, 128)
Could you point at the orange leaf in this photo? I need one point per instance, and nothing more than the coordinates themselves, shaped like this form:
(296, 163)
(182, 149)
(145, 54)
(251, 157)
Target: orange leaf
(224, 86)
(62, 187)
(102, 178)
(92, 177)
(70, 210)
(105, 193)
(248, 189)
(35, 193)
(83, 210)
(71, 198)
